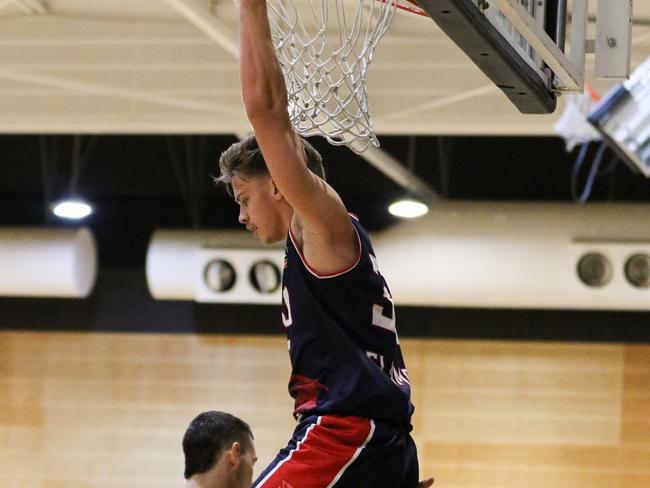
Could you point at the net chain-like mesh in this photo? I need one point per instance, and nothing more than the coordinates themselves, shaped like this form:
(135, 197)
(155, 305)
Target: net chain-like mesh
(324, 48)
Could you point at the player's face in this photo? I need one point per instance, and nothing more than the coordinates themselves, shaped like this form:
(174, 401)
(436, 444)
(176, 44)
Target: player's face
(244, 474)
(260, 207)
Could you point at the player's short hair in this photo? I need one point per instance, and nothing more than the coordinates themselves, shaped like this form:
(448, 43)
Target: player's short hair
(245, 159)
(208, 436)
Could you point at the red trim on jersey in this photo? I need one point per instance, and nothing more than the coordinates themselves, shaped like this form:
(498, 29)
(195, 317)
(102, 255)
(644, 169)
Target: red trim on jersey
(327, 449)
(328, 275)
(305, 391)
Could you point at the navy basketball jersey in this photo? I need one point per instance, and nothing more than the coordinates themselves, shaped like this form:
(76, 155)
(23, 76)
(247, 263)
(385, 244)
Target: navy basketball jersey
(344, 348)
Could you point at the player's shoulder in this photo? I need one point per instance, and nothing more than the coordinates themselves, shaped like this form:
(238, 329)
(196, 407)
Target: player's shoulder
(361, 232)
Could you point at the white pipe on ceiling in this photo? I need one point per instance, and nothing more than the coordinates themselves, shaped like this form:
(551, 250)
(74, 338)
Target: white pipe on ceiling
(173, 258)
(479, 254)
(43, 262)
(515, 255)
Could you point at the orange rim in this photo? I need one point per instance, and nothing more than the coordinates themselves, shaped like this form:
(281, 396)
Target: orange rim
(592, 93)
(413, 8)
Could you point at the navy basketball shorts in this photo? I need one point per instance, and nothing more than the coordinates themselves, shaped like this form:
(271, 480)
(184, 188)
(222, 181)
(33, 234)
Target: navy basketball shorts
(344, 452)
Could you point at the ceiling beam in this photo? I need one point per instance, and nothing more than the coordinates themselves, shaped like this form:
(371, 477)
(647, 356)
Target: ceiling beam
(5, 3)
(187, 122)
(441, 102)
(34, 6)
(213, 27)
(30, 7)
(397, 172)
(108, 123)
(96, 89)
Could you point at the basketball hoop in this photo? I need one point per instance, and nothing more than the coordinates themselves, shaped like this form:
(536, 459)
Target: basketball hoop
(411, 6)
(324, 48)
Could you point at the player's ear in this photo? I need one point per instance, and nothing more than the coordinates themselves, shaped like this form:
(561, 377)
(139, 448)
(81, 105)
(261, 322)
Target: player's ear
(234, 454)
(275, 191)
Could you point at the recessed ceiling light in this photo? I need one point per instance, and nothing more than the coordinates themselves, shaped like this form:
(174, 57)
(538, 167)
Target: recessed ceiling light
(408, 209)
(72, 209)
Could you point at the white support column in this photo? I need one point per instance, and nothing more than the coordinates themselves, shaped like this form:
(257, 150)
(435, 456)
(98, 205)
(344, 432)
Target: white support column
(613, 38)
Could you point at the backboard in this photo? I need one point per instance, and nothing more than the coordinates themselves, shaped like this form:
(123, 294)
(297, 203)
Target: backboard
(520, 44)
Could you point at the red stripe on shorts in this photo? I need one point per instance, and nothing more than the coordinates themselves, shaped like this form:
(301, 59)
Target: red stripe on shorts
(327, 449)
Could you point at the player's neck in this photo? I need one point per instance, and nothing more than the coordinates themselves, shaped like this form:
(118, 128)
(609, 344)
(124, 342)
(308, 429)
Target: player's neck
(209, 479)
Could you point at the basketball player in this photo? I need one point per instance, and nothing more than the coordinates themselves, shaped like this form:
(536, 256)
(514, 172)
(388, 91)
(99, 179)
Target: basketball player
(219, 452)
(349, 381)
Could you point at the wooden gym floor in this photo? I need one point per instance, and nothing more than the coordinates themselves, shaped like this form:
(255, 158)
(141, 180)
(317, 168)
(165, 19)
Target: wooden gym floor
(109, 410)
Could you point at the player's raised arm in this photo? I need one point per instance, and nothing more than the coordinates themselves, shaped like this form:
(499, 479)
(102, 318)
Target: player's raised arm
(324, 228)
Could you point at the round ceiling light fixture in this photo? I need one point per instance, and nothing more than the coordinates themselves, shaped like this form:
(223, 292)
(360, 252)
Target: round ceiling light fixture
(408, 209)
(72, 209)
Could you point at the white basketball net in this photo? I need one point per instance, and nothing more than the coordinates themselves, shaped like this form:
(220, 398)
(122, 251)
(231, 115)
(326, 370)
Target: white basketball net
(324, 48)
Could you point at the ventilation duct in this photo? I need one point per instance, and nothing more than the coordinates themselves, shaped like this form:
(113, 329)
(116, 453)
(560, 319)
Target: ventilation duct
(47, 262)
(213, 266)
(512, 255)
(516, 255)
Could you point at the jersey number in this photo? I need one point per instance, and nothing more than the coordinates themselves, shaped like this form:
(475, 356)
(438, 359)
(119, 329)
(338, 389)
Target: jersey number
(384, 315)
(287, 320)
